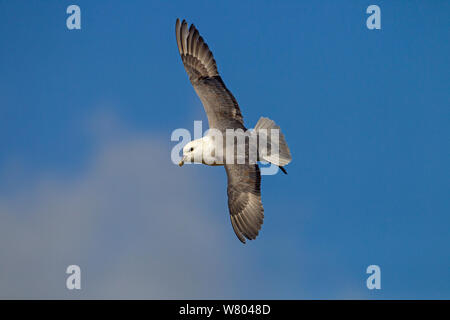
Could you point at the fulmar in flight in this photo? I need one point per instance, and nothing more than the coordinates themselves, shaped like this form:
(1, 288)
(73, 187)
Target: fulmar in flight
(222, 110)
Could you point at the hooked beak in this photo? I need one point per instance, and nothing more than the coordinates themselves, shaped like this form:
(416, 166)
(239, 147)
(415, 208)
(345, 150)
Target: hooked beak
(181, 162)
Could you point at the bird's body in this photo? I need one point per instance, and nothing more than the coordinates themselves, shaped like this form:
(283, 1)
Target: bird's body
(223, 112)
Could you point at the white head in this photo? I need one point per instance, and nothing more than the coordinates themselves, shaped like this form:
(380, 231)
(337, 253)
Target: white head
(198, 151)
(192, 152)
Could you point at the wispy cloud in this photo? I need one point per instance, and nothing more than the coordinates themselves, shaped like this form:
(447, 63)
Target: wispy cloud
(137, 225)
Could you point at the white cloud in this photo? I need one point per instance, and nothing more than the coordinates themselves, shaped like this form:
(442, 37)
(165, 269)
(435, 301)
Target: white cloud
(137, 225)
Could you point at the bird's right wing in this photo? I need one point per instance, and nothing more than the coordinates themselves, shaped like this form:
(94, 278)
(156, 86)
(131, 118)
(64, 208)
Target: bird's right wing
(244, 200)
(220, 105)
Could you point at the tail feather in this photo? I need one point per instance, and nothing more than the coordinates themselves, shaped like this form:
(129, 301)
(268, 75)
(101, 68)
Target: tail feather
(275, 151)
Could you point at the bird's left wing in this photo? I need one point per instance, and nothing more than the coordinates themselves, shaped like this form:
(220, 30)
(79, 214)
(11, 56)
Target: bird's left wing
(244, 200)
(220, 105)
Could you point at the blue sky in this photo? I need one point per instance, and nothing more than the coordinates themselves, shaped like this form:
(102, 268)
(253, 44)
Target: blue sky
(365, 113)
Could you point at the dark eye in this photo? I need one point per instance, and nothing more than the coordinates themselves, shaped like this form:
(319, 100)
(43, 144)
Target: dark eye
(192, 149)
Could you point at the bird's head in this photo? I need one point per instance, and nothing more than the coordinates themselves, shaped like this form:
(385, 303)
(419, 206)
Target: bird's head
(192, 152)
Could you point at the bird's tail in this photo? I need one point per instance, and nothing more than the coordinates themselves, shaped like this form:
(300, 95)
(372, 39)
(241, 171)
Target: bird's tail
(272, 145)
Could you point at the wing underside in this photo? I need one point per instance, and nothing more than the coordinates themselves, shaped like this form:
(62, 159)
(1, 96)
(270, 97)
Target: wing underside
(220, 105)
(244, 200)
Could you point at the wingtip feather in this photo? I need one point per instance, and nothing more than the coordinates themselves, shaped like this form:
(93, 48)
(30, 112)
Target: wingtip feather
(195, 53)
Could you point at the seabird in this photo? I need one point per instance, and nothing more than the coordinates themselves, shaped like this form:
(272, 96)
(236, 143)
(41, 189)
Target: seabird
(222, 110)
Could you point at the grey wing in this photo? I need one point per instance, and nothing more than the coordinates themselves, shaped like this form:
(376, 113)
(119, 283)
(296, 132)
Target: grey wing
(244, 200)
(220, 105)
